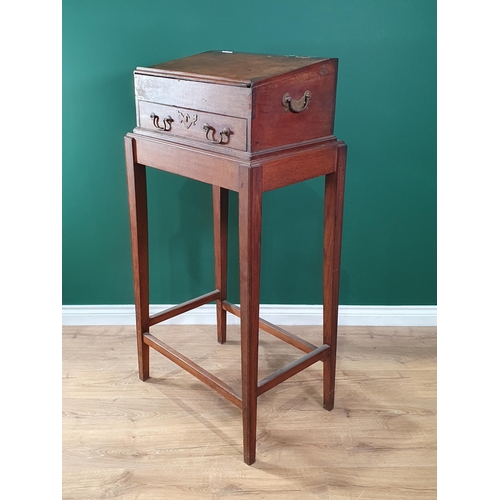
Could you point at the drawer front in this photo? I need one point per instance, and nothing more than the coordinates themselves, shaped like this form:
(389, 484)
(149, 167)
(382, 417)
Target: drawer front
(207, 128)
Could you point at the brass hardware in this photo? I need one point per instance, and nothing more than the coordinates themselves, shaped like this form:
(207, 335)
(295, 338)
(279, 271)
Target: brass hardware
(224, 132)
(167, 122)
(296, 106)
(186, 119)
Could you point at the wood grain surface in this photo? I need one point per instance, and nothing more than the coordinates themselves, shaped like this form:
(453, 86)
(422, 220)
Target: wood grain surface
(174, 438)
(234, 68)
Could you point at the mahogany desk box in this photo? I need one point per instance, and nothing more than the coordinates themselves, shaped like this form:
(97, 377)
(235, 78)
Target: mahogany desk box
(248, 123)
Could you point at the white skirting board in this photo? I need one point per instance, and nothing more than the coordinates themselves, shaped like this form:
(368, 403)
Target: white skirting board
(278, 314)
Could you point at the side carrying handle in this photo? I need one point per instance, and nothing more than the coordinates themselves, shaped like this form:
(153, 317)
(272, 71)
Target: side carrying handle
(296, 106)
(224, 132)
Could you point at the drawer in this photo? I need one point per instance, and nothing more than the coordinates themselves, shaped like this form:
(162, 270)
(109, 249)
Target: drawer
(207, 128)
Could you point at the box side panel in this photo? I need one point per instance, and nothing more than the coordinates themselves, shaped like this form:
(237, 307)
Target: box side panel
(274, 124)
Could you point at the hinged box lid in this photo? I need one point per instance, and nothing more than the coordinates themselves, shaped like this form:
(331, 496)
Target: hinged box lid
(230, 68)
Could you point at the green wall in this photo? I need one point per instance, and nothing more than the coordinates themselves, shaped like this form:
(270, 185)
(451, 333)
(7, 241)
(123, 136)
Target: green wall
(386, 113)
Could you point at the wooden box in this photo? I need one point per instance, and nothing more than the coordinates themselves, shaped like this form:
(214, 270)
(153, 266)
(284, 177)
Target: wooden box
(237, 103)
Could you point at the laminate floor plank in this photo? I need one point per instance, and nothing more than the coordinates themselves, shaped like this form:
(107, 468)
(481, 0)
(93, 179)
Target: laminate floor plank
(174, 438)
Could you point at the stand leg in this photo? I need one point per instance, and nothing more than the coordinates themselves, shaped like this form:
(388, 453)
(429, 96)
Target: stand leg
(220, 202)
(250, 222)
(137, 197)
(334, 203)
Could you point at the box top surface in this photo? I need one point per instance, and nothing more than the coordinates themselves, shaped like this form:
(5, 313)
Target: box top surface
(231, 68)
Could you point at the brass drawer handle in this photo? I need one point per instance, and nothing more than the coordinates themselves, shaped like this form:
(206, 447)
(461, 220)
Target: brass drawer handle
(296, 106)
(224, 132)
(167, 122)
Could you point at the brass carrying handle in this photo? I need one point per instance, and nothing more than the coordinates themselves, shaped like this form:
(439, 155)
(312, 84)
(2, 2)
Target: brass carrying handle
(296, 106)
(224, 132)
(167, 122)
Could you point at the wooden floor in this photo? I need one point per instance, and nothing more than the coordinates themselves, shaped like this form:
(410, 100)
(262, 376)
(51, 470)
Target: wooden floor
(174, 438)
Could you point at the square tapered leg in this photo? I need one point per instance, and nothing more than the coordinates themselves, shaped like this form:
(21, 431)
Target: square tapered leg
(220, 208)
(250, 224)
(137, 197)
(334, 202)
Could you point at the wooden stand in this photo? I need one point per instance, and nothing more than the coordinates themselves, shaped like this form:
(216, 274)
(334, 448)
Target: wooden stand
(249, 178)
